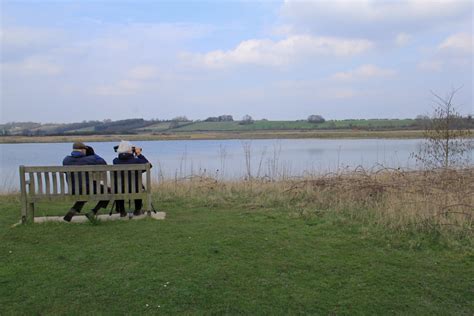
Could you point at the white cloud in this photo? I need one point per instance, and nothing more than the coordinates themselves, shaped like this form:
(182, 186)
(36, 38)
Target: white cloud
(283, 30)
(143, 72)
(276, 53)
(344, 17)
(121, 88)
(403, 39)
(458, 43)
(138, 78)
(364, 72)
(430, 65)
(15, 38)
(32, 66)
(342, 93)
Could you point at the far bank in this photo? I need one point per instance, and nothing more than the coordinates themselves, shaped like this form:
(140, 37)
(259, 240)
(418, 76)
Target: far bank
(326, 134)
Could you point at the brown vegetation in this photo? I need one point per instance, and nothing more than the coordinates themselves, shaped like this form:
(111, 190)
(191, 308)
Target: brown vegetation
(441, 199)
(269, 134)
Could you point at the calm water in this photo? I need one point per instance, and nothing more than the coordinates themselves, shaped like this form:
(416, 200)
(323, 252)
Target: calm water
(227, 159)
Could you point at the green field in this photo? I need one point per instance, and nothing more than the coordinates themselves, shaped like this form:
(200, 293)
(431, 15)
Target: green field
(297, 125)
(213, 256)
(156, 127)
(141, 126)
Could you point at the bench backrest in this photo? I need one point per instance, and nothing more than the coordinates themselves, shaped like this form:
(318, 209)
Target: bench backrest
(77, 180)
(84, 183)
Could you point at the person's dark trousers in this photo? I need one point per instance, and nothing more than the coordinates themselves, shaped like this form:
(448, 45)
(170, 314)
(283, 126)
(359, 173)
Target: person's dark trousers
(138, 205)
(77, 207)
(120, 204)
(121, 207)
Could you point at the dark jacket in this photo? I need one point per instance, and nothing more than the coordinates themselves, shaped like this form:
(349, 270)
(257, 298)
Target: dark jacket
(77, 158)
(128, 159)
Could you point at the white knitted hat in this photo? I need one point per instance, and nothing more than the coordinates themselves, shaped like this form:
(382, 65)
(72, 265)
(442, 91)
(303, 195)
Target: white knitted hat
(124, 147)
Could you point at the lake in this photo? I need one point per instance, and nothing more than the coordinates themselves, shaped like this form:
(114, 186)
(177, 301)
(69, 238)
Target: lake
(228, 159)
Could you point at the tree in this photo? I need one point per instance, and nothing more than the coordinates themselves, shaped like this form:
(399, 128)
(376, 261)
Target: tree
(180, 119)
(225, 118)
(316, 119)
(422, 117)
(246, 119)
(446, 145)
(212, 119)
(173, 124)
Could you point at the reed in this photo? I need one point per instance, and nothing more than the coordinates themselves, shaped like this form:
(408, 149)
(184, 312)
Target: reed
(398, 199)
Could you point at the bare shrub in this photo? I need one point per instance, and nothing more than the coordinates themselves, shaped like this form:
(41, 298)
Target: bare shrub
(447, 141)
(388, 197)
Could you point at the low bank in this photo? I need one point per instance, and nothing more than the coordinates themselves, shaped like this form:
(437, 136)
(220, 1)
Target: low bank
(276, 134)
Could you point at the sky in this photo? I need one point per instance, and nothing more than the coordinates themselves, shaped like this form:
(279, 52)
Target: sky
(71, 61)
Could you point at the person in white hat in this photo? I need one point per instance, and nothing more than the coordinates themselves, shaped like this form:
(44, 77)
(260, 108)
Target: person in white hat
(129, 154)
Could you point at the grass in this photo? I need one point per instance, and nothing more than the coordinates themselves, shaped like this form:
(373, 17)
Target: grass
(214, 135)
(236, 248)
(298, 125)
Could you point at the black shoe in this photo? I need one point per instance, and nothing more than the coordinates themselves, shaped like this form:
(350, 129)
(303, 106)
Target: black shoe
(137, 212)
(69, 215)
(123, 214)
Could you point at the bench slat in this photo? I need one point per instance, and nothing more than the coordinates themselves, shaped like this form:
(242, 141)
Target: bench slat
(140, 182)
(61, 182)
(39, 176)
(77, 184)
(69, 182)
(83, 183)
(55, 182)
(47, 189)
(125, 182)
(112, 182)
(32, 189)
(133, 177)
(106, 181)
(91, 183)
(119, 182)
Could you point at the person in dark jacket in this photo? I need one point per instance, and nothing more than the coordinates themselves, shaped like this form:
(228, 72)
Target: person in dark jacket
(128, 154)
(83, 155)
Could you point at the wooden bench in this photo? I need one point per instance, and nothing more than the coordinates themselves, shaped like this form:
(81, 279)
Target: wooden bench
(83, 183)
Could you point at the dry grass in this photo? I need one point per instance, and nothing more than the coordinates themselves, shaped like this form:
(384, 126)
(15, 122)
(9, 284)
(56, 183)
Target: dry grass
(440, 199)
(261, 134)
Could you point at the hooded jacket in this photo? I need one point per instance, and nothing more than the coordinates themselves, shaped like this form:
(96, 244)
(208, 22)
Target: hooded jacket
(77, 158)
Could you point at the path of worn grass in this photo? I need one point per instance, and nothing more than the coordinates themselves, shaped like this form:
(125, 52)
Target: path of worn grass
(233, 261)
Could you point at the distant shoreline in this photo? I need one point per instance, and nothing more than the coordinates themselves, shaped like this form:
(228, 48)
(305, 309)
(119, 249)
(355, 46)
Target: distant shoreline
(280, 134)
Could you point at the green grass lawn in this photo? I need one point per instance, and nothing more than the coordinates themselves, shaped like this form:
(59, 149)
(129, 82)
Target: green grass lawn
(229, 259)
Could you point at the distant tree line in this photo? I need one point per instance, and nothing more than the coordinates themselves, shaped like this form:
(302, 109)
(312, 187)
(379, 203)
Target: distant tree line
(221, 118)
(140, 125)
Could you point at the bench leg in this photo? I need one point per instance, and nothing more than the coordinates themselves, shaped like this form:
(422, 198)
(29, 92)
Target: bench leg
(148, 204)
(31, 212)
(24, 211)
